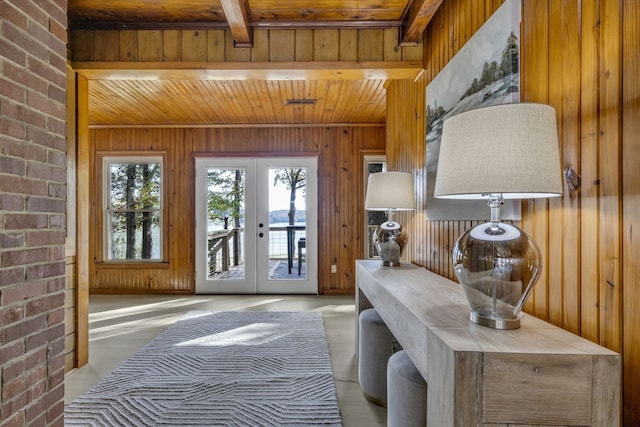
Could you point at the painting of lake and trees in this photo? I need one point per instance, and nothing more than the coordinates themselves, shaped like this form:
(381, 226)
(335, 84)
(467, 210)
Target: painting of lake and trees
(486, 71)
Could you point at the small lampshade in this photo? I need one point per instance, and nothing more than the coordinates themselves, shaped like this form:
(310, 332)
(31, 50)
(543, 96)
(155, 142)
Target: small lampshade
(390, 190)
(507, 151)
(511, 149)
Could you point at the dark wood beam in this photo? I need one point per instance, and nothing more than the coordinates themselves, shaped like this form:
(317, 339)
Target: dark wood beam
(237, 13)
(416, 19)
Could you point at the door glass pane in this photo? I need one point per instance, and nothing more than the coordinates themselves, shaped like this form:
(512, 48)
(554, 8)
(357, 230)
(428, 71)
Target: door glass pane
(374, 218)
(225, 224)
(287, 223)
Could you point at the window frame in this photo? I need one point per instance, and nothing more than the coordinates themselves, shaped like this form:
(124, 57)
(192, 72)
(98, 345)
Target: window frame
(368, 159)
(105, 160)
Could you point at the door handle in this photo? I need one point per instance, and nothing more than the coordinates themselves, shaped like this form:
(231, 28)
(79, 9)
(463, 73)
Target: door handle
(260, 225)
(260, 234)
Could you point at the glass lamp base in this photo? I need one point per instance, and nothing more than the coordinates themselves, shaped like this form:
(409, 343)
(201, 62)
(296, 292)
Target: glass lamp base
(497, 266)
(494, 322)
(390, 240)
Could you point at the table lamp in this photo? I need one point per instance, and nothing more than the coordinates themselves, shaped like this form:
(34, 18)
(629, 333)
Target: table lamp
(507, 151)
(390, 191)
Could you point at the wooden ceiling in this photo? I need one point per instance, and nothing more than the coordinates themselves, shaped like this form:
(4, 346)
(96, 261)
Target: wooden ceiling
(185, 102)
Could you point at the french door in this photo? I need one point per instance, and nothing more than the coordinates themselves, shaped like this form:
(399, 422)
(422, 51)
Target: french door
(256, 225)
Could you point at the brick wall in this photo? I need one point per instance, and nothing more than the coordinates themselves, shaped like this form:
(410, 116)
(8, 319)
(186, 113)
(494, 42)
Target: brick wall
(33, 39)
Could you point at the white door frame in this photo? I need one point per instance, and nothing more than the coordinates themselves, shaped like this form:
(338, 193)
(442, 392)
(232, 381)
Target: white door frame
(256, 249)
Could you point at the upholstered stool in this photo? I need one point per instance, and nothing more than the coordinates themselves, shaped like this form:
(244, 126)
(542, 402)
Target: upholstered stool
(406, 393)
(375, 346)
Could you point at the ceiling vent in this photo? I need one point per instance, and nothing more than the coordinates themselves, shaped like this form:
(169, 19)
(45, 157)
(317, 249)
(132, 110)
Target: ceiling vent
(301, 101)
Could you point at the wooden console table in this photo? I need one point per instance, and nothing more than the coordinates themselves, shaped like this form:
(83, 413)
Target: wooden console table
(538, 375)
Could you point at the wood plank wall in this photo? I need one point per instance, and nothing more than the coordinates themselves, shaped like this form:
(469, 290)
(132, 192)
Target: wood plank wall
(340, 192)
(582, 57)
(295, 45)
(70, 249)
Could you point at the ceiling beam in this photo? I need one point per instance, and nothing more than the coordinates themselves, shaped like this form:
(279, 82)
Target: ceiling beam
(237, 13)
(416, 19)
(327, 70)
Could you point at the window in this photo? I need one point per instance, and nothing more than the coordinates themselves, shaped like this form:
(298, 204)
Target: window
(372, 164)
(132, 208)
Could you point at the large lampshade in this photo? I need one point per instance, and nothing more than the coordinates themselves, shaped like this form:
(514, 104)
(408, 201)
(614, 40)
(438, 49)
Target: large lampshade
(507, 151)
(390, 191)
(511, 149)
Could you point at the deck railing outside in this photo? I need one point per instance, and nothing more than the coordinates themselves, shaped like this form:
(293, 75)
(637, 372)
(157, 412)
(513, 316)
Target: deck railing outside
(225, 247)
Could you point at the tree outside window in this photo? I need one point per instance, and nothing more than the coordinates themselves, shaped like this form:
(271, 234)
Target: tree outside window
(133, 214)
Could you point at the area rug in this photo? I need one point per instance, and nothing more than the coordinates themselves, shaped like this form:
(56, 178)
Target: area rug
(220, 369)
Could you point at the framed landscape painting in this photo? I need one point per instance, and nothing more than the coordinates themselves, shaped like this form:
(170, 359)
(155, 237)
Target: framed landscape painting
(485, 71)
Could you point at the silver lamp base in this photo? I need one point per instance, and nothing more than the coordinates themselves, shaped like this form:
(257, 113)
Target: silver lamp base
(493, 322)
(390, 240)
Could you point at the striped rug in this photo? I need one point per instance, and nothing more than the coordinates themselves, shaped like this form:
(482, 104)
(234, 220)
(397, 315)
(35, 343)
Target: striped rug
(220, 369)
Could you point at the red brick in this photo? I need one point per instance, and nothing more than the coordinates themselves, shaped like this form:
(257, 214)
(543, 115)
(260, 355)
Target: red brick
(57, 29)
(46, 171)
(44, 304)
(45, 70)
(12, 128)
(58, 93)
(46, 139)
(29, 290)
(57, 158)
(12, 314)
(21, 185)
(43, 271)
(57, 221)
(10, 276)
(23, 77)
(17, 403)
(34, 395)
(33, 55)
(58, 126)
(11, 351)
(24, 257)
(12, 202)
(56, 253)
(55, 410)
(13, 15)
(36, 414)
(17, 369)
(47, 204)
(18, 331)
(56, 284)
(56, 371)
(11, 240)
(11, 89)
(56, 315)
(16, 419)
(36, 375)
(44, 104)
(55, 9)
(13, 166)
(21, 38)
(57, 190)
(25, 221)
(24, 150)
(14, 387)
(25, 114)
(44, 237)
(56, 61)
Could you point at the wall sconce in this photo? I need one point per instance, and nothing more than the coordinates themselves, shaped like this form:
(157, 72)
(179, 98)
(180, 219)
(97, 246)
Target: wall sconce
(507, 151)
(390, 191)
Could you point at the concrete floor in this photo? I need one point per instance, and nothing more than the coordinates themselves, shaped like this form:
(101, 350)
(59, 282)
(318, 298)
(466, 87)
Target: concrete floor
(119, 325)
